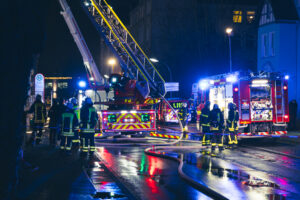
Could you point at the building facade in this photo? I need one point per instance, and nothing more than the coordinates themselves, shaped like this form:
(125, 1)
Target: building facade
(189, 36)
(279, 41)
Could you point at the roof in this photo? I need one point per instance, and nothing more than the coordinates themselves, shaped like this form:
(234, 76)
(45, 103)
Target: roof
(284, 10)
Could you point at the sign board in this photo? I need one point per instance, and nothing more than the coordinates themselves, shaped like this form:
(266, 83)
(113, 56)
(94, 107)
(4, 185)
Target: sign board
(172, 86)
(39, 85)
(195, 88)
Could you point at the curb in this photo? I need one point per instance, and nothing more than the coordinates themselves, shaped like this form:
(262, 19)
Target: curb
(202, 188)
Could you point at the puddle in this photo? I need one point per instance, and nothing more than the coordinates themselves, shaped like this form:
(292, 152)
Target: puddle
(107, 195)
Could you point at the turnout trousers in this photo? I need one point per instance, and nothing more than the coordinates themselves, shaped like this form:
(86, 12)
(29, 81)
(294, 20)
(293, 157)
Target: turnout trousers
(232, 138)
(206, 139)
(217, 139)
(66, 143)
(37, 132)
(88, 141)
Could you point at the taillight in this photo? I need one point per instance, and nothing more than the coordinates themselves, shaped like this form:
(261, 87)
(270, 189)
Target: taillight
(236, 89)
(285, 87)
(286, 117)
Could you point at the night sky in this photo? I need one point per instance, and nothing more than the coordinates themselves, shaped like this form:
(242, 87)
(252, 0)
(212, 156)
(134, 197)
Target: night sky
(60, 55)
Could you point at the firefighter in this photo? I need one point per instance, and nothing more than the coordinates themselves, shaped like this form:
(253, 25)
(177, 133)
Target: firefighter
(88, 117)
(216, 127)
(204, 124)
(199, 109)
(69, 125)
(183, 114)
(38, 109)
(232, 125)
(76, 109)
(54, 115)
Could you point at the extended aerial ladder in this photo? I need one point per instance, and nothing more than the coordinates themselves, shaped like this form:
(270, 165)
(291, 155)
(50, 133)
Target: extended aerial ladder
(134, 62)
(94, 77)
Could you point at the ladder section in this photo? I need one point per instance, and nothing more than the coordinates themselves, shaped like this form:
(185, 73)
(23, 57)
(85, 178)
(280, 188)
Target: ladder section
(90, 65)
(279, 104)
(134, 62)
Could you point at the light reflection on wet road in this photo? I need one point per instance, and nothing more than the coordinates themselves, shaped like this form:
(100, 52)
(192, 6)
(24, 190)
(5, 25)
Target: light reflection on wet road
(238, 174)
(147, 177)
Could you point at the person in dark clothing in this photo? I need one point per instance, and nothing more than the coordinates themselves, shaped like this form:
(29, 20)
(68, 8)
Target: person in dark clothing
(54, 115)
(232, 125)
(216, 119)
(69, 125)
(293, 107)
(38, 109)
(89, 118)
(204, 124)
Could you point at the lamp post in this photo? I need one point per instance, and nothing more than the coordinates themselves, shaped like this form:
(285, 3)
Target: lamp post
(229, 33)
(112, 62)
(154, 60)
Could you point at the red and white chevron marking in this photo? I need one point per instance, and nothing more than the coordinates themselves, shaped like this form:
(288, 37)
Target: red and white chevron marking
(244, 134)
(263, 133)
(280, 132)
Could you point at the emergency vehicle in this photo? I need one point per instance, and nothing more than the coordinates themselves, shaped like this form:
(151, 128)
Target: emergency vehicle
(261, 99)
(165, 113)
(137, 89)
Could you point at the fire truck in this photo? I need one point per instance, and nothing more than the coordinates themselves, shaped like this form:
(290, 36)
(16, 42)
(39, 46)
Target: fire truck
(165, 113)
(140, 85)
(261, 99)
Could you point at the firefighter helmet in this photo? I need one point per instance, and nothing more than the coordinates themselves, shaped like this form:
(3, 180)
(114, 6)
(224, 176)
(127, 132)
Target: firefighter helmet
(38, 97)
(88, 101)
(74, 101)
(216, 106)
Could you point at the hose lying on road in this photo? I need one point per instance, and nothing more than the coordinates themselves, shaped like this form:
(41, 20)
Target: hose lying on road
(202, 188)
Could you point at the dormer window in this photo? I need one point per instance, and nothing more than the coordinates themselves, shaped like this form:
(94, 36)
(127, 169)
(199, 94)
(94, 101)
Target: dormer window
(267, 15)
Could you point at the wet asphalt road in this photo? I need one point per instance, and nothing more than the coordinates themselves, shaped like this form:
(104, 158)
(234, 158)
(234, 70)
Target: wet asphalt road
(243, 173)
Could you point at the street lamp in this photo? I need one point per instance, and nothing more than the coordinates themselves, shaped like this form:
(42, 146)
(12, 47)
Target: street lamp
(154, 60)
(229, 33)
(106, 76)
(112, 62)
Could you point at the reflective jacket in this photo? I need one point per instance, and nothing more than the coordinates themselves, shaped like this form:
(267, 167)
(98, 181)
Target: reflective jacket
(204, 116)
(38, 109)
(69, 123)
(77, 111)
(216, 119)
(88, 117)
(182, 113)
(232, 121)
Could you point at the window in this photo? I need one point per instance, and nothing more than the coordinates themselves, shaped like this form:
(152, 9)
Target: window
(62, 85)
(250, 16)
(237, 16)
(272, 44)
(266, 15)
(264, 45)
(49, 85)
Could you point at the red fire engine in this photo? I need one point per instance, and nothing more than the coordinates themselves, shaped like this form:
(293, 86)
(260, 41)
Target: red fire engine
(261, 99)
(165, 113)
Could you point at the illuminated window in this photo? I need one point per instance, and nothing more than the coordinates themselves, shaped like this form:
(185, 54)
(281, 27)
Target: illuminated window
(264, 45)
(250, 16)
(62, 85)
(237, 16)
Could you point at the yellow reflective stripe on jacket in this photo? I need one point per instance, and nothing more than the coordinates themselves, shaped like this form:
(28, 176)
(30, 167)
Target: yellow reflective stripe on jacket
(204, 115)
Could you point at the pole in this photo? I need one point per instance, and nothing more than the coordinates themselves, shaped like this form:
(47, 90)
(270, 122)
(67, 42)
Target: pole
(171, 77)
(230, 58)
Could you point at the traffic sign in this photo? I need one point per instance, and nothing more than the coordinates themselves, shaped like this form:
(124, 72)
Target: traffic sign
(39, 85)
(172, 86)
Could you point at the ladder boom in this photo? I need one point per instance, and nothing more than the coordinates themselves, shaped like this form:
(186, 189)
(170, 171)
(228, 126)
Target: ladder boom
(133, 60)
(90, 65)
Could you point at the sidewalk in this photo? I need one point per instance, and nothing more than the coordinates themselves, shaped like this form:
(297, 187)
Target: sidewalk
(48, 174)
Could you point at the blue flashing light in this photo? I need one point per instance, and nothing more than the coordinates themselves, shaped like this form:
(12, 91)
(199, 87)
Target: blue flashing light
(114, 80)
(203, 84)
(231, 79)
(286, 77)
(82, 84)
